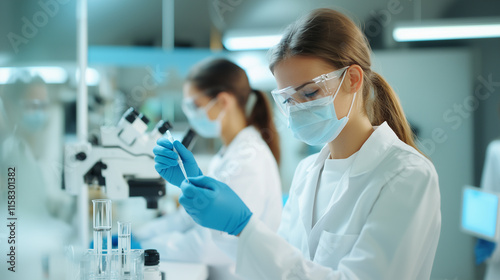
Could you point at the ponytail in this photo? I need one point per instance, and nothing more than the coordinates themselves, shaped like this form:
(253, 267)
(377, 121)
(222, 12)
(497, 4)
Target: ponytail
(261, 117)
(386, 107)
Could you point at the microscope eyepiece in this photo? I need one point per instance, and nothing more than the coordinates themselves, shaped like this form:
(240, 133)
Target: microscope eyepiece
(131, 114)
(163, 126)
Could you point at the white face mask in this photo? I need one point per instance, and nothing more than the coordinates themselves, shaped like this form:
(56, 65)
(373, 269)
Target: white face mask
(199, 120)
(34, 115)
(315, 122)
(318, 124)
(33, 121)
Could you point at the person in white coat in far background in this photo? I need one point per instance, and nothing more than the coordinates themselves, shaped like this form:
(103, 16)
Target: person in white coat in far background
(220, 103)
(490, 181)
(368, 205)
(30, 162)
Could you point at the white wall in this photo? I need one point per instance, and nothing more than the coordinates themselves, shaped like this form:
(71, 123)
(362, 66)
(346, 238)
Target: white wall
(431, 84)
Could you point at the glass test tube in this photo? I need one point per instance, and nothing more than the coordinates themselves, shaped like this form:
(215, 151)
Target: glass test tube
(124, 235)
(102, 234)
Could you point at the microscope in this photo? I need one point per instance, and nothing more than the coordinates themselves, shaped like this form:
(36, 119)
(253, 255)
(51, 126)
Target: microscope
(122, 162)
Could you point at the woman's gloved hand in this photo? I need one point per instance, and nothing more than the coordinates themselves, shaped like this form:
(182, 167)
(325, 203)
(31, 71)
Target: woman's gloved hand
(167, 165)
(214, 205)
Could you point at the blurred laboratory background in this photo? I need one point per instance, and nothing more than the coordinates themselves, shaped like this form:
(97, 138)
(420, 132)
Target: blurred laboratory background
(138, 53)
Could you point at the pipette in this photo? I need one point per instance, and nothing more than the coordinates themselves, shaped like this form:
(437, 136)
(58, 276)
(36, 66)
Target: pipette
(179, 160)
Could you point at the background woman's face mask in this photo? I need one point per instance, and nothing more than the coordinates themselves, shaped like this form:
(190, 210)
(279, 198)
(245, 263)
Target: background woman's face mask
(34, 121)
(34, 115)
(199, 120)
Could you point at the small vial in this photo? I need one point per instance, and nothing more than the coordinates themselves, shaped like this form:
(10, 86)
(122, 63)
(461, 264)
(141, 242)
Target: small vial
(102, 234)
(124, 234)
(151, 265)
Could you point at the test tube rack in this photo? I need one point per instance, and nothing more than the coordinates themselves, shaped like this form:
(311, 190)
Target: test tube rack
(115, 260)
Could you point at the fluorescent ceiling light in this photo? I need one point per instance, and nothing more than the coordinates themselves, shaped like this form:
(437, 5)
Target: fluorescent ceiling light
(51, 75)
(250, 40)
(4, 75)
(256, 66)
(447, 30)
(92, 76)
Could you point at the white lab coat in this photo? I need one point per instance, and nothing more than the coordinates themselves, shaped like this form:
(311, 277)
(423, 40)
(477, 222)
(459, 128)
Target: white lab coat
(40, 238)
(490, 181)
(383, 220)
(249, 168)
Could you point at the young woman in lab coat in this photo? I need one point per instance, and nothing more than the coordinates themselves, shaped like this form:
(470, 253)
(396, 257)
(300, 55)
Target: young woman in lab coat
(367, 206)
(220, 103)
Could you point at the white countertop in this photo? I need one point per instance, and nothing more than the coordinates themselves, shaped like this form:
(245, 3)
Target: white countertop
(184, 271)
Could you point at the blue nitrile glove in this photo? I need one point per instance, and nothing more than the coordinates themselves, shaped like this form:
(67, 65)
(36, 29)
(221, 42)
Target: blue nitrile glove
(214, 205)
(167, 165)
(483, 250)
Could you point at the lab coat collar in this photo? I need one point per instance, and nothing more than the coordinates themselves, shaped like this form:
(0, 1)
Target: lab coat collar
(370, 154)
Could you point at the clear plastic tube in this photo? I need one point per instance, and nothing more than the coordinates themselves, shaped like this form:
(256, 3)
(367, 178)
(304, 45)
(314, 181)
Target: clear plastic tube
(124, 235)
(179, 160)
(102, 234)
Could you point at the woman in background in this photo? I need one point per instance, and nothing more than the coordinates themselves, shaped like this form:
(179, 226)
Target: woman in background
(490, 181)
(219, 103)
(29, 151)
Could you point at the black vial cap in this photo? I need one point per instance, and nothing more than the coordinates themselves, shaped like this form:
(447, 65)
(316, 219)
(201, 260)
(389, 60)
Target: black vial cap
(151, 257)
(163, 126)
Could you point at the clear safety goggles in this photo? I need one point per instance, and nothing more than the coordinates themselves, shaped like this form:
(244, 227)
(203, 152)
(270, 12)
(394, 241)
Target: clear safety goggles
(190, 108)
(317, 88)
